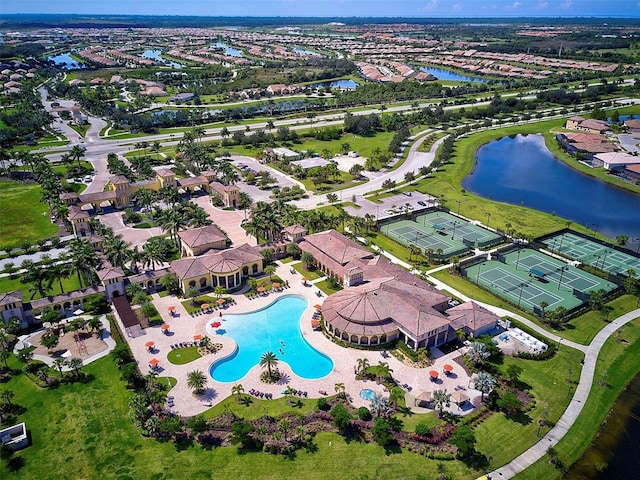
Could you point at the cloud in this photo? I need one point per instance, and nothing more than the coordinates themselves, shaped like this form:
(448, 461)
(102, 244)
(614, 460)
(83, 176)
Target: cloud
(456, 7)
(432, 6)
(513, 6)
(541, 6)
(566, 5)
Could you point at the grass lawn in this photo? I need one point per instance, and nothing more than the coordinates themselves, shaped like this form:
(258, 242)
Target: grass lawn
(310, 274)
(24, 219)
(190, 307)
(619, 359)
(180, 356)
(84, 429)
(326, 288)
(8, 284)
(363, 145)
(503, 438)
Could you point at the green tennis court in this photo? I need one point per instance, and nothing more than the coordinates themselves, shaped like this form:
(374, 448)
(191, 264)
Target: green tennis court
(593, 253)
(528, 278)
(407, 232)
(458, 228)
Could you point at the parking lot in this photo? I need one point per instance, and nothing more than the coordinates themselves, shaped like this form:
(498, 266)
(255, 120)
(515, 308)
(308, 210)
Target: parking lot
(393, 206)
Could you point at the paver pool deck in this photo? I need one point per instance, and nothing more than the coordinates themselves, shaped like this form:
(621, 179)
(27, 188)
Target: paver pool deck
(184, 327)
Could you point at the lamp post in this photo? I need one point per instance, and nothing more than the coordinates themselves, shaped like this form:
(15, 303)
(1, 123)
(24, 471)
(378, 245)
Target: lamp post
(520, 296)
(595, 229)
(478, 275)
(604, 259)
(561, 273)
(458, 202)
(454, 230)
(488, 218)
(518, 259)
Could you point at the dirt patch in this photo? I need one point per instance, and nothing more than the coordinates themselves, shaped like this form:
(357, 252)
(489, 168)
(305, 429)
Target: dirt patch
(85, 346)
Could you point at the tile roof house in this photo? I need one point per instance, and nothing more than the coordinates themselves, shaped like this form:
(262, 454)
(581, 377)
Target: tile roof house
(196, 241)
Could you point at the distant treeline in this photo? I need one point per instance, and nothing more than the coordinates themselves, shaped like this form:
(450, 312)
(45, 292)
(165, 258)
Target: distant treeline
(26, 21)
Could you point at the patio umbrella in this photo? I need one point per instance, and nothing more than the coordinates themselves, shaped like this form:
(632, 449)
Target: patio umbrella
(154, 362)
(459, 397)
(423, 396)
(276, 285)
(171, 308)
(261, 289)
(79, 311)
(220, 301)
(433, 374)
(197, 337)
(149, 344)
(317, 307)
(204, 306)
(448, 368)
(216, 324)
(315, 322)
(304, 279)
(165, 326)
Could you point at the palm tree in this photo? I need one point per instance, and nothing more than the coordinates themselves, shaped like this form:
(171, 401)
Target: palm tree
(339, 389)
(478, 353)
(59, 363)
(238, 390)
(441, 399)
(220, 291)
(83, 259)
(193, 292)
(75, 364)
(378, 403)
(485, 383)
(77, 152)
(363, 364)
(307, 259)
(270, 270)
(153, 253)
(58, 271)
(135, 256)
(384, 370)
(269, 360)
(95, 324)
(284, 426)
(116, 250)
(395, 395)
(196, 381)
(169, 282)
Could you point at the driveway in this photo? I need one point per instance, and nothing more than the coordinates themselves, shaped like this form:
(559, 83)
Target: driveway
(227, 220)
(135, 236)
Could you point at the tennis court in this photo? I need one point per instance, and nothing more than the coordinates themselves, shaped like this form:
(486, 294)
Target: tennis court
(407, 232)
(527, 278)
(461, 230)
(593, 253)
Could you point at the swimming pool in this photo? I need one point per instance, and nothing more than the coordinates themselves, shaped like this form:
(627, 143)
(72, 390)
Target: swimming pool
(275, 328)
(367, 394)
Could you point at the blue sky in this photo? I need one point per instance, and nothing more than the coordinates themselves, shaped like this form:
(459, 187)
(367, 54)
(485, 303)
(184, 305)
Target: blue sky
(343, 8)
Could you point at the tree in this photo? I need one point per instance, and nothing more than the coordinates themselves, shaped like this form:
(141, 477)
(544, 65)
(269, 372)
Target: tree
(485, 382)
(238, 390)
(196, 381)
(284, 425)
(60, 363)
(293, 249)
(339, 388)
(307, 259)
(441, 399)
(49, 340)
(509, 403)
(193, 292)
(170, 282)
(75, 364)
(381, 432)
(332, 197)
(270, 270)
(77, 152)
(513, 372)
(220, 291)
(269, 360)
(464, 439)
(478, 353)
(362, 364)
(341, 417)
(241, 431)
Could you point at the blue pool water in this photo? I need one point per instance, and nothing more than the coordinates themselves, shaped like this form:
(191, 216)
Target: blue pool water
(442, 74)
(367, 394)
(275, 328)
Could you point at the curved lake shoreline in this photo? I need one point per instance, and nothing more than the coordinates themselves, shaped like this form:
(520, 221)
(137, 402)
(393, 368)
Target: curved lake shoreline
(520, 170)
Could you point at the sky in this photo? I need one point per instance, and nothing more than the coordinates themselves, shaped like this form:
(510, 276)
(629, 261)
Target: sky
(335, 8)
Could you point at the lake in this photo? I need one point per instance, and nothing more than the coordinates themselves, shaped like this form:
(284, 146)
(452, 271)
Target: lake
(520, 170)
(65, 60)
(155, 55)
(232, 52)
(341, 84)
(442, 74)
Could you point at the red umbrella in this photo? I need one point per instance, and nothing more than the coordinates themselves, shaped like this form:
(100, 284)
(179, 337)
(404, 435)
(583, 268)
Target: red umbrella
(261, 289)
(448, 368)
(149, 344)
(204, 306)
(165, 326)
(216, 324)
(304, 279)
(433, 374)
(197, 337)
(276, 285)
(171, 308)
(318, 307)
(153, 362)
(220, 301)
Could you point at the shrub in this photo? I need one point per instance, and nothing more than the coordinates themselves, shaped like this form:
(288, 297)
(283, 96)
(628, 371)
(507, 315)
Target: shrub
(323, 404)
(422, 430)
(363, 413)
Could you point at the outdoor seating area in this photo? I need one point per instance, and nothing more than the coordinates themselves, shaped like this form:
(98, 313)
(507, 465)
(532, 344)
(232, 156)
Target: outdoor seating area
(206, 308)
(263, 292)
(259, 394)
(293, 391)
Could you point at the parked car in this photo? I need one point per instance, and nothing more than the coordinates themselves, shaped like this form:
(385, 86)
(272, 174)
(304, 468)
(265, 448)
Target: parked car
(88, 178)
(420, 202)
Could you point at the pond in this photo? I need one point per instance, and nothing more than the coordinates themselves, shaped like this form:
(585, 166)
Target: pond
(155, 55)
(442, 74)
(520, 170)
(345, 84)
(232, 52)
(65, 60)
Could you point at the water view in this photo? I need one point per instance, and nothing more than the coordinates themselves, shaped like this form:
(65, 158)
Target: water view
(341, 84)
(521, 170)
(232, 52)
(302, 51)
(156, 55)
(442, 74)
(65, 60)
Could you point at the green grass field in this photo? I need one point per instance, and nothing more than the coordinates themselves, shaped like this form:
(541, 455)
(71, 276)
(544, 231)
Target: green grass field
(69, 284)
(180, 356)
(24, 219)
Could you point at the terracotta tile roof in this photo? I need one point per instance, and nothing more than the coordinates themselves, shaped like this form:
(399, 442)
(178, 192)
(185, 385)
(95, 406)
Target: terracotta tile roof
(197, 237)
(219, 187)
(110, 273)
(98, 196)
(295, 230)
(118, 180)
(189, 267)
(68, 196)
(76, 212)
(11, 297)
(224, 261)
(65, 297)
(471, 316)
(149, 275)
(189, 181)
(165, 172)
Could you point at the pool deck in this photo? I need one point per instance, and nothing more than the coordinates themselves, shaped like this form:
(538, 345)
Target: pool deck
(183, 327)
